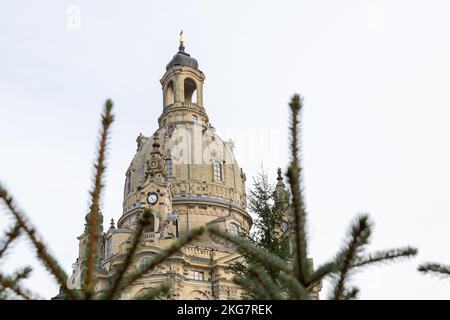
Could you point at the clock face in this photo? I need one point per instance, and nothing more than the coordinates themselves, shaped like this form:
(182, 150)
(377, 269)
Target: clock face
(152, 198)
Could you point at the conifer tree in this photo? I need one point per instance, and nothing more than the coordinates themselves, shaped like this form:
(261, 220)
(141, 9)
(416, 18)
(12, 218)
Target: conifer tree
(295, 277)
(268, 231)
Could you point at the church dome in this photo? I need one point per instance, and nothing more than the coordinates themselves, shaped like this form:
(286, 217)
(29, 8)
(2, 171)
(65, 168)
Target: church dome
(185, 171)
(174, 147)
(182, 58)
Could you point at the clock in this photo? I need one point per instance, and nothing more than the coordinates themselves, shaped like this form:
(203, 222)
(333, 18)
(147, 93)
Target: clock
(152, 198)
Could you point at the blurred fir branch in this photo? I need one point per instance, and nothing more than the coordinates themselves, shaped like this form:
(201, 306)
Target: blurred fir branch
(267, 272)
(435, 269)
(125, 275)
(94, 214)
(276, 263)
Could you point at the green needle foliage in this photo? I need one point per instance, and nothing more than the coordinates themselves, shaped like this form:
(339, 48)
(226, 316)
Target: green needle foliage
(276, 264)
(267, 273)
(10, 286)
(269, 234)
(435, 269)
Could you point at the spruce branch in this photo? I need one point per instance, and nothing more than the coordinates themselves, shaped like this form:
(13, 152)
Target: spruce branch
(186, 238)
(358, 236)
(93, 223)
(270, 288)
(294, 176)
(41, 249)
(145, 220)
(435, 269)
(296, 290)
(384, 256)
(155, 293)
(248, 283)
(12, 283)
(350, 294)
(251, 249)
(322, 271)
(11, 235)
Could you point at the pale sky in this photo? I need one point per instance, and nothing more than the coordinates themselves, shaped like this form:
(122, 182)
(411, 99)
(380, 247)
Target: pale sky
(374, 74)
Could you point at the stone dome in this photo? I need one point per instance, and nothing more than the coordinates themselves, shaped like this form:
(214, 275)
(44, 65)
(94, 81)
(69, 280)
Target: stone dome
(190, 178)
(190, 171)
(174, 146)
(182, 58)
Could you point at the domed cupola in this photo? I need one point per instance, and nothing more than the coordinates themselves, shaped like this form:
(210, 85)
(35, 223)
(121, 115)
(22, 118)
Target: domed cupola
(182, 86)
(182, 58)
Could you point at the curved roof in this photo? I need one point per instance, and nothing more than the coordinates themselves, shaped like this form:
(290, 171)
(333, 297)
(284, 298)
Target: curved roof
(182, 58)
(174, 145)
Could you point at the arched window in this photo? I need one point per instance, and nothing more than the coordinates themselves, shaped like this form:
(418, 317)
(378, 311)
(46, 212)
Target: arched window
(194, 118)
(190, 90)
(169, 94)
(217, 170)
(144, 263)
(169, 166)
(233, 228)
(128, 183)
(151, 226)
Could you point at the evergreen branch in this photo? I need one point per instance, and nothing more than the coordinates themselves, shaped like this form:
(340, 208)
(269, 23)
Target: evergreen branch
(384, 256)
(358, 237)
(294, 175)
(259, 254)
(41, 249)
(261, 276)
(435, 269)
(253, 288)
(322, 271)
(12, 283)
(145, 220)
(22, 274)
(93, 223)
(154, 293)
(11, 235)
(186, 238)
(296, 289)
(350, 294)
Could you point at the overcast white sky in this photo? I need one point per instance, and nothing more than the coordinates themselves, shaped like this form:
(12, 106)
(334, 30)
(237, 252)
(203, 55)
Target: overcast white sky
(375, 76)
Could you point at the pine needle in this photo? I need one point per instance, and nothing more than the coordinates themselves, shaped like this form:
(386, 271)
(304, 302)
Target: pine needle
(250, 285)
(294, 176)
(12, 283)
(321, 272)
(296, 289)
(384, 256)
(93, 223)
(435, 269)
(11, 235)
(258, 253)
(155, 293)
(358, 236)
(261, 276)
(41, 249)
(145, 220)
(186, 238)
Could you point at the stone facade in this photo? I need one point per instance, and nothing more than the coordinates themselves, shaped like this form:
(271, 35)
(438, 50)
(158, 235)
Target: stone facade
(189, 177)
